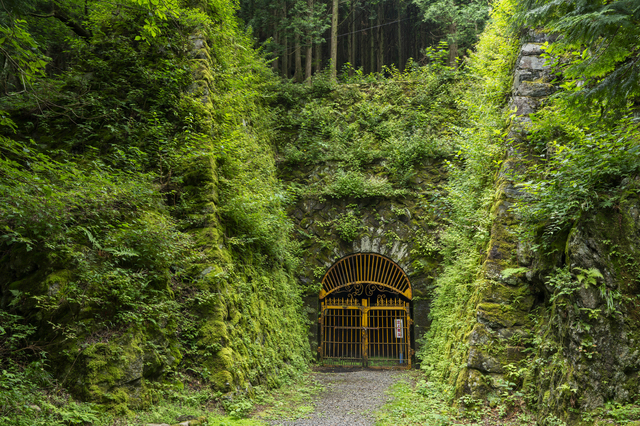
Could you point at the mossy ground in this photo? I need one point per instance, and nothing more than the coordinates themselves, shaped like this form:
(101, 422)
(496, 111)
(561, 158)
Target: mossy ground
(417, 402)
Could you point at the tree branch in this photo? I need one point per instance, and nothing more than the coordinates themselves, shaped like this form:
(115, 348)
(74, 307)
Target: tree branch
(68, 21)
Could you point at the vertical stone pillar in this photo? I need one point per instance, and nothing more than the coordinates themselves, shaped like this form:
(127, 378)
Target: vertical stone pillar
(506, 299)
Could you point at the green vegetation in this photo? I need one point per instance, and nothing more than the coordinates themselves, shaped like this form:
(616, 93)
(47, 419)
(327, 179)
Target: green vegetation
(574, 161)
(597, 51)
(295, 401)
(430, 403)
(371, 132)
(144, 242)
(470, 196)
(166, 201)
(573, 180)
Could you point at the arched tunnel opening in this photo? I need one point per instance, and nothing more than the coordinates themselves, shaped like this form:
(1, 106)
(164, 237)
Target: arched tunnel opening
(366, 314)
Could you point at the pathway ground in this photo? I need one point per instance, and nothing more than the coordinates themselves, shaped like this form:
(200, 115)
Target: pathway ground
(350, 398)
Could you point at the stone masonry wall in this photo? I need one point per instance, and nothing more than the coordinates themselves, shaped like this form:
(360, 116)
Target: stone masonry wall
(404, 229)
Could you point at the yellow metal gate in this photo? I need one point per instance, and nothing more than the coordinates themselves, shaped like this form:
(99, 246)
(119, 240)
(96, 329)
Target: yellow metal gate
(353, 333)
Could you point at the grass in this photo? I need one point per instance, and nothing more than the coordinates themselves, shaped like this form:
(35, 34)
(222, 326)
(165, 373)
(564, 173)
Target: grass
(170, 405)
(418, 402)
(415, 402)
(226, 421)
(56, 410)
(289, 402)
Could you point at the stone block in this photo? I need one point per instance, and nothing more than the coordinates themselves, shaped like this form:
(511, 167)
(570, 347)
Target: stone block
(534, 89)
(529, 49)
(492, 270)
(515, 354)
(535, 76)
(495, 315)
(537, 36)
(512, 191)
(484, 362)
(589, 297)
(521, 75)
(524, 105)
(472, 382)
(480, 335)
(533, 62)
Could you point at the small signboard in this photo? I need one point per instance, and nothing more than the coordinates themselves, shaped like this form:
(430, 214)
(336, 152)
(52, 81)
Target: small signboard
(398, 329)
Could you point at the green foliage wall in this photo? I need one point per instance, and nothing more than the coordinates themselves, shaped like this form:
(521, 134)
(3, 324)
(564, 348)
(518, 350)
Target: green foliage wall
(470, 196)
(535, 289)
(144, 240)
(363, 164)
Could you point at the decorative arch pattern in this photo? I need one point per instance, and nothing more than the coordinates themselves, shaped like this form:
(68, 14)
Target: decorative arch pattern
(359, 269)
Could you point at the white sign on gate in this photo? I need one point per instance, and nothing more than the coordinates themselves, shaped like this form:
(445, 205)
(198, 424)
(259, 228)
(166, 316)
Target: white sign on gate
(398, 329)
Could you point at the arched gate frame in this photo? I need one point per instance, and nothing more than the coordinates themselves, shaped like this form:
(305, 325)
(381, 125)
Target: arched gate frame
(365, 317)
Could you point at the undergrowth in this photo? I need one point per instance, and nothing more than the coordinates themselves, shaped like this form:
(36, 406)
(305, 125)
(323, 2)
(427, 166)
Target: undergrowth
(371, 131)
(430, 403)
(470, 194)
(143, 237)
(297, 400)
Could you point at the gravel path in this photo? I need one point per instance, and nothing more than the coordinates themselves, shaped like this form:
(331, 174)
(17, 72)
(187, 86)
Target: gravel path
(350, 398)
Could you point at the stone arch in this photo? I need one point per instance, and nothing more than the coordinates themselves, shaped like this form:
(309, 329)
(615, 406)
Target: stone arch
(362, 272)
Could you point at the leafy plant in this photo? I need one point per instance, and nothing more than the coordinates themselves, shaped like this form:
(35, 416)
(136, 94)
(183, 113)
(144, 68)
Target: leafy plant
(586, 159)
(469, 195)
(349, 225)
(598, 61)
(356, 185)
(509, 272)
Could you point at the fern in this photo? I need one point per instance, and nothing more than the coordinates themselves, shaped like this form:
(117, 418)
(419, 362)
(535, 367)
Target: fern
(506, 273)
(601, 40)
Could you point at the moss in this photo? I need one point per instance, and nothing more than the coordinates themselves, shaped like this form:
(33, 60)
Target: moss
(210, 239)
(519, 297)
(498, 315)
(472, 382)
(118, 402)
(100, 369)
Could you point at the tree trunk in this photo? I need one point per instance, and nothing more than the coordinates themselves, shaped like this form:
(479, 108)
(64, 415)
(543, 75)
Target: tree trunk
(285, 58)
(309, 53)
(298, 59)
(318, 50)
(285, 54)
(362, 45)
(276, 39)
(309, 60)
(334, 40)
(372, 47)
(352, 37)
(400, 61)
(453, 46)
(380, 38)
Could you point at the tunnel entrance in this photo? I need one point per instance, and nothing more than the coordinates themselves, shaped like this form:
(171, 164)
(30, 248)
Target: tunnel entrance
(365, 313)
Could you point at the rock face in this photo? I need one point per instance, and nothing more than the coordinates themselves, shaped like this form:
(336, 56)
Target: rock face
(594, 351)
(502, 314)
(585, 349)
(230, 318)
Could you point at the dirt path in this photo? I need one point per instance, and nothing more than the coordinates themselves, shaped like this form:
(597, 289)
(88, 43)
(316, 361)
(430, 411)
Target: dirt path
(350, 398)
